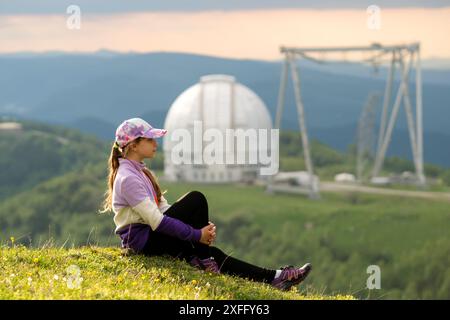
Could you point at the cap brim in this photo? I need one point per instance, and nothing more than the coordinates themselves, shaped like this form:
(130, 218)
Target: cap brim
(155, 133)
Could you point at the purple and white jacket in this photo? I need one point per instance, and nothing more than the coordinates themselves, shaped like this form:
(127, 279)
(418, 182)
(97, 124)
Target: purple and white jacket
(136, 211)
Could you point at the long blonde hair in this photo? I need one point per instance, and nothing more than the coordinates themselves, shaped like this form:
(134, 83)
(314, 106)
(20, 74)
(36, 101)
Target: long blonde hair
(113, 166)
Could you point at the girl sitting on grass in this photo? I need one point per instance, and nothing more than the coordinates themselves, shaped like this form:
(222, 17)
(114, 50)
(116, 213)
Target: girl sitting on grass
(148, 225)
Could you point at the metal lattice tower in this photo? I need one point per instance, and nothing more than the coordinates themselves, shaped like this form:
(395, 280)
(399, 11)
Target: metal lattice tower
(365, 136)
(405, 57)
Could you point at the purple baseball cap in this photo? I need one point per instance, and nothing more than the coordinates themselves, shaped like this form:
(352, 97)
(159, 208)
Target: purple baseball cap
(134, 128)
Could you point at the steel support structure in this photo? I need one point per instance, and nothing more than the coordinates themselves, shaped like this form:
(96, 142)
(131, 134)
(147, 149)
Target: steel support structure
(401, 57)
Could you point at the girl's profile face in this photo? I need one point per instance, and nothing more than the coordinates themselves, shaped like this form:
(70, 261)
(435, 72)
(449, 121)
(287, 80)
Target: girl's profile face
(146, 147)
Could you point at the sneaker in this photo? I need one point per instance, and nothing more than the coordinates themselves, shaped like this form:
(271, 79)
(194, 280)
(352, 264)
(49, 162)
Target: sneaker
(195, 262)
(291, 276)
(208, 264)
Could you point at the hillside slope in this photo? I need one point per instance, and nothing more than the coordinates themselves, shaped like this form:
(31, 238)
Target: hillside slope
(109, 273)
(37, 152)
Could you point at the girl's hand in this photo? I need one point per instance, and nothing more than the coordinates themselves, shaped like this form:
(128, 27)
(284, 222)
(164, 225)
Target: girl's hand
(208, 234)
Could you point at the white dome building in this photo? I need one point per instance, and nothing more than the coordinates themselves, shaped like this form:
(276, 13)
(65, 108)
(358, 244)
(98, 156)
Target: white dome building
(214, 105)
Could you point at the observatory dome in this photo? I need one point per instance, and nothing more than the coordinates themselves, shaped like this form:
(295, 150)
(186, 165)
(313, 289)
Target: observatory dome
(216, 102)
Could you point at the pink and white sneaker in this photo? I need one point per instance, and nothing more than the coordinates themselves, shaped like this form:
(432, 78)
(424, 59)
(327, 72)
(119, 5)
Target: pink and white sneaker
(291, 276)
(208, 264)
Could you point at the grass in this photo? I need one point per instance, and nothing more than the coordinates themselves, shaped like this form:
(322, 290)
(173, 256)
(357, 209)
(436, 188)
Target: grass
(348, 231)
(370, 219)
(109, 273)
(341, 235)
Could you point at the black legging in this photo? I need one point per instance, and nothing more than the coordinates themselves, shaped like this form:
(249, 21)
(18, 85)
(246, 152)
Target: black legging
(192, 209)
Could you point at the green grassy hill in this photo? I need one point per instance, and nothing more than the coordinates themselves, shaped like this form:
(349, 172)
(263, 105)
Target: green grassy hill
(38, 152)
(341, 234)
(63, 208)
(108, 273)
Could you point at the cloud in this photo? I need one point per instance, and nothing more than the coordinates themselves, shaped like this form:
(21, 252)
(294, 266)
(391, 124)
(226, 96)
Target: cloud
(237, 34)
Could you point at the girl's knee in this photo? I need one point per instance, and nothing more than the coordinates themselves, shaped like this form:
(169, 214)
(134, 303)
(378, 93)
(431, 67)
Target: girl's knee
(198, 196)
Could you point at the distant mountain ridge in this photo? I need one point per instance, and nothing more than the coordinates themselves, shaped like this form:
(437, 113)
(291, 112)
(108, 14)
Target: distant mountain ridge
(96, 92)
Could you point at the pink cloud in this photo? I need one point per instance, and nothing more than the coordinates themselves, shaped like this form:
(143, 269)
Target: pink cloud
(238, 34)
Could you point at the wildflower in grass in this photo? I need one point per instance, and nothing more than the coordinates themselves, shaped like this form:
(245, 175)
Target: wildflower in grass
(36, 260)
(56, 277)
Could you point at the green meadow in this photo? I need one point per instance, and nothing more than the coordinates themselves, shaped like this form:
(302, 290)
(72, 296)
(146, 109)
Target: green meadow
(340, 234)
(48, 212)
(108, 273)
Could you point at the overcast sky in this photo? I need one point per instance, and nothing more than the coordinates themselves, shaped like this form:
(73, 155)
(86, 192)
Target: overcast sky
(113, 6)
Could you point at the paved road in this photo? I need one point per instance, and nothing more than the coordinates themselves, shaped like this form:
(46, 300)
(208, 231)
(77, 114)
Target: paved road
(341, 187)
